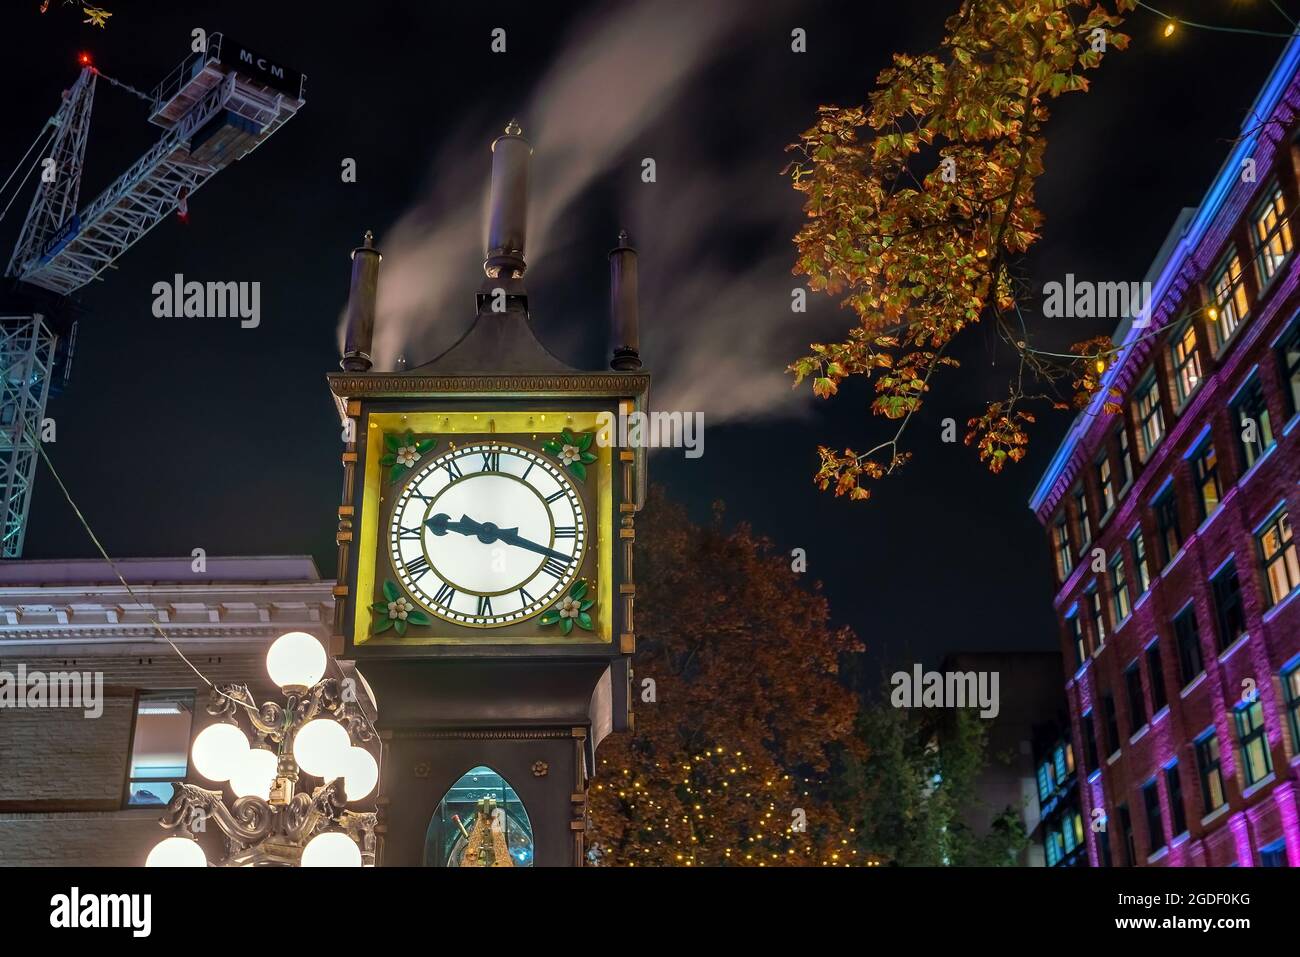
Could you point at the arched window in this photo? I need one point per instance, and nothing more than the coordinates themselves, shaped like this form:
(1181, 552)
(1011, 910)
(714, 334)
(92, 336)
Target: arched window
(480, 822)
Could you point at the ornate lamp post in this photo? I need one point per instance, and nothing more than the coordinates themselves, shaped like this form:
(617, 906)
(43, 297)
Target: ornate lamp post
(318, 731)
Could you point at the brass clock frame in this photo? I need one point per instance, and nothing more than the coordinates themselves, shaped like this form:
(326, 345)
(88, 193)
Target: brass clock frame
(518, 450)
(471, 426)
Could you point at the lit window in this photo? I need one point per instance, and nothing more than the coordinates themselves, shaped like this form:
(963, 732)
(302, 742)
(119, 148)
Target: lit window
(480, 822)
(1273, 855)
(1205, 471)
(1188, 638)
(1137, 709)
(1187, 363)
(1254, 430)
(1076, 635)
(1085, 524)
(160, 746)
(1291, 690)
(1169, 535)
(1207, 765)
(1150, 417)
(1140, 561)
(1228, 611)
(1061, 546)
(1288, 357)
(1105, 483)
(1271, 235)
(1277, 549)
(1231, 305)
(1155, 826)
(1053, 847)
(1097, 615)
(1061, 764)
(1045, 784)
(1125, 456)
(1119, 595)
(1071, 839)
(1156, 675)
(1256, 760)
(1174, 788)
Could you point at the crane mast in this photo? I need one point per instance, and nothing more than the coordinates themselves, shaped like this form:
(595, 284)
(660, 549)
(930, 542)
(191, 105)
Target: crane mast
(218, 105)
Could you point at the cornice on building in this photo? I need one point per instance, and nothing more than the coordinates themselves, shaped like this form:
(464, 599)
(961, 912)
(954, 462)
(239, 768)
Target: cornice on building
(1271, 115)
(62, 607)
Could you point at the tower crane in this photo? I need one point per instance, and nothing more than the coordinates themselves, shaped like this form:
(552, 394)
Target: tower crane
(217, 106)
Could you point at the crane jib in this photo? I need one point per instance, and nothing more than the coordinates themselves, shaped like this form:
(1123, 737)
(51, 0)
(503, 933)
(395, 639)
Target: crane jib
(246, 60)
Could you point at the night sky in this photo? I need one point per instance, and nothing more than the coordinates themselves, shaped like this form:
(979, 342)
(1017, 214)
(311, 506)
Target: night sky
(185, 433)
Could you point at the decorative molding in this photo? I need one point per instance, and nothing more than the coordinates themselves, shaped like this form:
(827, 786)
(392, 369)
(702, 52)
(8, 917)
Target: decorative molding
(503, 734)
(406, 385)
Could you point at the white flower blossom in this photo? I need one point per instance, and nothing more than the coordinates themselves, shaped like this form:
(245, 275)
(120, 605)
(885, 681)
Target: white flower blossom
(569, 608)
(570, 454)
(407, 455)
(400, 609)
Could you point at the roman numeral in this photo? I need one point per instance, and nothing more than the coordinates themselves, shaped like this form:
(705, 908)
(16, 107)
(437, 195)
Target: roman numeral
(556, 497)
(525, 598)
(408, 533)
(492, 460)
(484, 605)
(453, 470)
(418, 567)
(446, 595)
(527, 470)
(556, 568)
(426, 499)
(566, 531)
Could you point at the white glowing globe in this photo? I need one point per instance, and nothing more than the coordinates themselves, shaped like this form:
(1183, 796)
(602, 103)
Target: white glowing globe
(361, 774)
(255, 774)
(321, 748)
(218, 751)
(296, 659)
(176, 852)
(331, 849)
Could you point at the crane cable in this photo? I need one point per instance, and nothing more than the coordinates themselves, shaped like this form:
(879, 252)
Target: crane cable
(125, 86)
(153, 619)
(46, 131)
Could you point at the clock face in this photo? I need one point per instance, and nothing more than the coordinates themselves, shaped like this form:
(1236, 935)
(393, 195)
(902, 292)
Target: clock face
(487, 534)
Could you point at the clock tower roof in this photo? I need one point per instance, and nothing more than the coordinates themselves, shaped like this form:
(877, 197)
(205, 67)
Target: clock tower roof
(497, 341)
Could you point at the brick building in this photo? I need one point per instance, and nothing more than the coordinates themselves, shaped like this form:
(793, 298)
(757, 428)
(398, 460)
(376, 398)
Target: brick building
(1170, 527)
(82, 786)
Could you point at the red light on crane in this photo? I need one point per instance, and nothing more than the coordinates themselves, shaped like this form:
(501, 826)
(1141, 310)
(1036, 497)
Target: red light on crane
(84, 59)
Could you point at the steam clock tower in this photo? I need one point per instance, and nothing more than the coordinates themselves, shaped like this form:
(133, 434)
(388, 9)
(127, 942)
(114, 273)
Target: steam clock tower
(486, 584)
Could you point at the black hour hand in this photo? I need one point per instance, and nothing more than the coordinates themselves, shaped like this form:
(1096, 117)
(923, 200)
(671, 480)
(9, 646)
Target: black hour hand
(441, 524)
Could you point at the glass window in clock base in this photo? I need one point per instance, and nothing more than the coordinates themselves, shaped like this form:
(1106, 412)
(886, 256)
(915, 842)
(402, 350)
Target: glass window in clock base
(480, 822)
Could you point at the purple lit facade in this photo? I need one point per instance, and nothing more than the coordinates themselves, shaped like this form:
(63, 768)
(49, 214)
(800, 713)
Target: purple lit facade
(1170, 529)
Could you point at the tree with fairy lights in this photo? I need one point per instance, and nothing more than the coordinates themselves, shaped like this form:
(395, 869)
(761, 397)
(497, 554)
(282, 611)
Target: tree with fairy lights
(741, 716)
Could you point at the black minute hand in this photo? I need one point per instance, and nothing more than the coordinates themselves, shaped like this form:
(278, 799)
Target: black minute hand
(511, 537)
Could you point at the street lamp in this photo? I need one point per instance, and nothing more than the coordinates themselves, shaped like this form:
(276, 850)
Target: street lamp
(321, 730)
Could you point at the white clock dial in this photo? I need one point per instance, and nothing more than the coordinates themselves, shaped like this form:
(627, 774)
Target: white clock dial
(488, 534)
